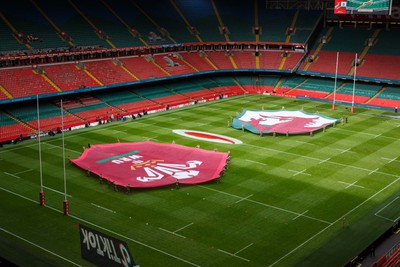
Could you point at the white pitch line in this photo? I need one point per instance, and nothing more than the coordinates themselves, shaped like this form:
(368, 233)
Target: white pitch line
(233, 255)
(383, 217)
(173, 233)
(325, 160)
(183, 227)
(56, 191)
(244, 198)
(344, 150)
(249, 160)
(340, 218)
(371, 172)
(105, 229)
(36, 245)
(391, 160)
(100, 207)
(387, 205)
(316, 159)
(10, 174)
(306, 143)
(266, 205)
(351, 184)
(299, 215)
(23, 171)
(54, 146)
(299, 172)
(240, 250)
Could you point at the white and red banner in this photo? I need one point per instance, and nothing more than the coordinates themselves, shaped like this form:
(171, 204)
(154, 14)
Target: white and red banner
(150, 164)
(280, 121)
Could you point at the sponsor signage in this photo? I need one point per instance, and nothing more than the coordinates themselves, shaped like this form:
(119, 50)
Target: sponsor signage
(104, 250)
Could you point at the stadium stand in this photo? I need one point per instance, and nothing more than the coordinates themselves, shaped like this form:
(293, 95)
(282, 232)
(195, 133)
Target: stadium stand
(202, 16)
(22, 82)
(142, 68)
(69, 76)
(197, 60)
(109, 72)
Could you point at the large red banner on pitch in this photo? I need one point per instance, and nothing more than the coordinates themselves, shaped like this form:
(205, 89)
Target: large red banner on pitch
(150, 164)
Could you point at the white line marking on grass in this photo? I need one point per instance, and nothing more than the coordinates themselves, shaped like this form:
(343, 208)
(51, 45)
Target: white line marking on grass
(383, 217)
(184, 227)
(302, 142)
(135, 241)
(335, 222)
(266, 205)
(10, 174)
(344, 150)
(174, 232)
(299, 215)
(351, 184)
(100, 207)
(391, 160)
(299, 172)
(105, 229)
(240, 250)
(325, 160)
(54, 146)
(316, 159)
(233, 255)
(51, 189)
(21, 196)
(36, 245)
(378, 135)
(244, 198)
(377, 213)
(371, 172)
(249, 160)
(23, 171)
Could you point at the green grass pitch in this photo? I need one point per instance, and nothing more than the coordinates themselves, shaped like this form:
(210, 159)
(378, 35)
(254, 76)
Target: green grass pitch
(280, 203)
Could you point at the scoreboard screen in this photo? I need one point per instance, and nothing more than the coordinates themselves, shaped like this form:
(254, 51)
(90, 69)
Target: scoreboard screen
(363, 7)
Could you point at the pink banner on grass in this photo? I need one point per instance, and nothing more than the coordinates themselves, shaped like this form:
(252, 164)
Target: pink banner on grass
(150, 164)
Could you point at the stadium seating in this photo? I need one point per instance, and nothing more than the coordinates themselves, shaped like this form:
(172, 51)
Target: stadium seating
(90, 113)
(167, 20)
(197, 61)
(201, 15)
(380, 66)
(221, 60)
(69, 77)
(22, 82)
(142, 68)
(238, 18)
(108, 72)
(173, 64)
(28, 21)
(12, 129)
(67, 18)
(50, 116)
(326, 62)
(245, 60)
